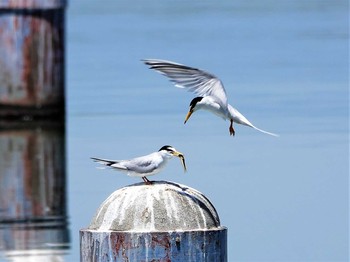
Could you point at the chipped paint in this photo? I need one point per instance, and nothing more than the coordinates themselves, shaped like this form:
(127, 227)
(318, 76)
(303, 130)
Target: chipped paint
(113, 246)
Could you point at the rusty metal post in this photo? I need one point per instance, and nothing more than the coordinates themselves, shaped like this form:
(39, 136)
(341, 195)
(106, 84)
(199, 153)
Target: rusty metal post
(32, 59)
(160, 222)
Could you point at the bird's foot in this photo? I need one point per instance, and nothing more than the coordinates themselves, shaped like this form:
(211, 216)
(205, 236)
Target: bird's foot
(147, 182)
(232, 131)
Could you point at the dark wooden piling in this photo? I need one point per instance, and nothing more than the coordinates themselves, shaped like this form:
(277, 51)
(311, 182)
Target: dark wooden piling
(160, 222)
(32, 58)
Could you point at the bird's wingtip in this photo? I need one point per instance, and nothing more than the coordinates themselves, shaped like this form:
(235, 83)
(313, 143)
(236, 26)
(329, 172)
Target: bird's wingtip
(149, 61)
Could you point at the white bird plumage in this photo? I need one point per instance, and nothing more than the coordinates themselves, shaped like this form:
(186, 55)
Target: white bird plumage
(143, 166)
(211, 94)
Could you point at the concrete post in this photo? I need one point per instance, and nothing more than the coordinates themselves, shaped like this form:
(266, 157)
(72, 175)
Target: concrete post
(160, 222)
(32, 59)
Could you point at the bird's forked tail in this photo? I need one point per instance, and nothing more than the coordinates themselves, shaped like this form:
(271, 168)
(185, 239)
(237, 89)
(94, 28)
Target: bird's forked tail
(104, 162)
(238, 118)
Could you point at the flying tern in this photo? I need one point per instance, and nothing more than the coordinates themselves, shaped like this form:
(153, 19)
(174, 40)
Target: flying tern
(210, 90)
(145, 165)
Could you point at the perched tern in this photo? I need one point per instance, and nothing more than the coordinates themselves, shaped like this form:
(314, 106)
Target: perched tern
(145, 165)
(210, 90)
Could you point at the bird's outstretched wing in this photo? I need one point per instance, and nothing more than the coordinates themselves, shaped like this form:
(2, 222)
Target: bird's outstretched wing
(195, 80)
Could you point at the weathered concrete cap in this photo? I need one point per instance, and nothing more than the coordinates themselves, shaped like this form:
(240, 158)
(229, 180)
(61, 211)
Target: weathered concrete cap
(162, 206)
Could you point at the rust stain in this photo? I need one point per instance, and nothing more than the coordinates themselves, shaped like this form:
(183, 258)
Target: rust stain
(120, 246)
(16, 23)
(30, 59)
(159, 240)
(162, 240)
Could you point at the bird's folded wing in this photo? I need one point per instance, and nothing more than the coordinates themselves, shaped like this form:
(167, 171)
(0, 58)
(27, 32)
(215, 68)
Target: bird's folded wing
(140, 165)
(195, 80)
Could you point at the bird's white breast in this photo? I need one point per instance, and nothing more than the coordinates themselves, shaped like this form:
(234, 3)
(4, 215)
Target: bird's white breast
(211, 104)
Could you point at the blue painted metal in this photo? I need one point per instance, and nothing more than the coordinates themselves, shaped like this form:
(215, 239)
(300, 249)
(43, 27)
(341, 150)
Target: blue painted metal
(179, 246)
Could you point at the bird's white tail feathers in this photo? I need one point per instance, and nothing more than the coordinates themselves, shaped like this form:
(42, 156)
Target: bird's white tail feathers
(265, 132)
(114, 164)
(105, 162)
(240, 119)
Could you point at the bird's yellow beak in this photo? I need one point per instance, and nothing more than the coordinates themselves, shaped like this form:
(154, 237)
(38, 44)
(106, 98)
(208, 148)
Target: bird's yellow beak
(182, 158)
(188, 116)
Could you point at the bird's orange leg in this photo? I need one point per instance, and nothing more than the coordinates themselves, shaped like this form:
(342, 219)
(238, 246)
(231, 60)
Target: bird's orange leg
(147, 182)
(232, 131)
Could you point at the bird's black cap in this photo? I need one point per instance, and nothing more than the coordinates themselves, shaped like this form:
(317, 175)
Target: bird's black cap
(165, 148)
(195, 101)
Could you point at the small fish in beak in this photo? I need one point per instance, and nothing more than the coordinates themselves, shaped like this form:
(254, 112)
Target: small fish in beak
(182, 158)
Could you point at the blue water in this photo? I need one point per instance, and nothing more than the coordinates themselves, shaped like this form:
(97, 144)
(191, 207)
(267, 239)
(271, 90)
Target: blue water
(284, 65)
